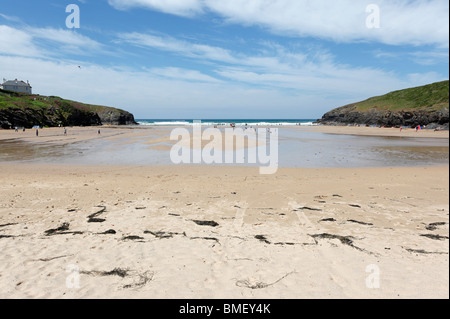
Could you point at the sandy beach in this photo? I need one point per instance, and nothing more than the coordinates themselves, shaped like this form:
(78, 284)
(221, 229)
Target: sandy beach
(77, 134)
(158, 231)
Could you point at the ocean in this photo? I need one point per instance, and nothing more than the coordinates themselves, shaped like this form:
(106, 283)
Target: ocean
(227, 122)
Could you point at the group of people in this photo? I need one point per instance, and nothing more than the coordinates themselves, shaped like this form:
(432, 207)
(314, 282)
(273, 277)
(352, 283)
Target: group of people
(16, 129)
(418, 128)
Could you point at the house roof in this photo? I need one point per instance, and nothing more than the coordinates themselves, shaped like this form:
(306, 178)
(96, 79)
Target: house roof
(16, 83)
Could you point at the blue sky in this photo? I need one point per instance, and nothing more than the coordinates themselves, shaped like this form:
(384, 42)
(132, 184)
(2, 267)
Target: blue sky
(204, 59)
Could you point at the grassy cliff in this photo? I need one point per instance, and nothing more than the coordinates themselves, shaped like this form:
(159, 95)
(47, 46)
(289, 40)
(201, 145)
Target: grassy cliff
(415, 106)
(429, 97)
(25, 110)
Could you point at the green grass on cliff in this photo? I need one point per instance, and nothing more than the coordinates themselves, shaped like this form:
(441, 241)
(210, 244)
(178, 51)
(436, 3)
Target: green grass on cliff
(10, 99)
(430, 97)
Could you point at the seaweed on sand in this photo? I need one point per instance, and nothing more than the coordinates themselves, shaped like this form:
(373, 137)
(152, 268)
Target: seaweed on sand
(259, 285)
(164, 235)
(434, 226)
(144, 278)
(345, 240)
(358, 222)
(206, 223)
(93, 218)
(263, 239)
(435, 237)
(64, 227)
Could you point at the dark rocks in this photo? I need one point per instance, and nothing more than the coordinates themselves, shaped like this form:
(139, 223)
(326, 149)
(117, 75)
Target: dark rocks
(50, 117)
(349, 115)
(116, 117)
(427, 105)
(24, 110)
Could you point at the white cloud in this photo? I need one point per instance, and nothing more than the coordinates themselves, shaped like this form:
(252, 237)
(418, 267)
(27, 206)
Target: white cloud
(276, 67)
(295, 84)
(410, 22)
(421, 57)
(430, 57)
(177, 7)
(176, 46)
(148, 95)
(424, 78)
(66, 38)
(48, 42)
(182, 74)
(10, 18)
(16, 42)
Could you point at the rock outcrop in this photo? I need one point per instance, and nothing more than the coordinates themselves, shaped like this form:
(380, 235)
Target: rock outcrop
(28, 117)
(116, 117)
(23, 110)
(426, 105)
(350, 115)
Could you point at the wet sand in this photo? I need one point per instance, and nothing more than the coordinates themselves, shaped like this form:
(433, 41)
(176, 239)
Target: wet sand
(374, 131)
(299, 147)
(76, 134)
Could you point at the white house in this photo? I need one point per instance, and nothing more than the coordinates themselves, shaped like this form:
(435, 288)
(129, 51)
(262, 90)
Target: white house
(17, 86)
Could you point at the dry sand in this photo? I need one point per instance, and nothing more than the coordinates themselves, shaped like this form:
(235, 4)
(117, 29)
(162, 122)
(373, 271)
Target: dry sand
(133, 232)
(302, 233)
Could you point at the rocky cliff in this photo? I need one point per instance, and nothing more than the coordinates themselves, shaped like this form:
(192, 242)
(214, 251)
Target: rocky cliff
(426, 105)
(24, 110)
(109, 116)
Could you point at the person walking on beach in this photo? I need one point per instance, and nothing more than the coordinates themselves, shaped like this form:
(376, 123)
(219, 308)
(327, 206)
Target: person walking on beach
(98, 132)
(65, 132)
(37, 132)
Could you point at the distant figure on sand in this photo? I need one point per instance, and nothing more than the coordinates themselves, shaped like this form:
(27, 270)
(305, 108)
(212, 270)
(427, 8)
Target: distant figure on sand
(65, 132)
(37, 132)
(98, 132)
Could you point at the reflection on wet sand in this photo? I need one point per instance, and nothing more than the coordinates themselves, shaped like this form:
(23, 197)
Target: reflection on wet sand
(149, 146)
